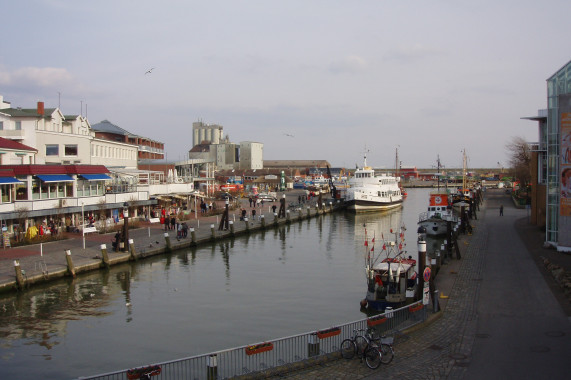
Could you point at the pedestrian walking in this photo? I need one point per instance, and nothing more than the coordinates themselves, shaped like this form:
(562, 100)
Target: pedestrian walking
(501, 210)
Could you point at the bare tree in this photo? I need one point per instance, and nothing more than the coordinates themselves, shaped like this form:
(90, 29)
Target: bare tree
(22, 216)
(519, 152)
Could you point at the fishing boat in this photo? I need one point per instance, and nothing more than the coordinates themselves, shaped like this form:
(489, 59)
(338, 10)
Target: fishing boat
(391, 278)
(439, 213)
(370, 192)
(462, 197)
(435, 220)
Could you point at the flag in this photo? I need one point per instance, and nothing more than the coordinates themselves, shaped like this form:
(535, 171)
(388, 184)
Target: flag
(366, 243)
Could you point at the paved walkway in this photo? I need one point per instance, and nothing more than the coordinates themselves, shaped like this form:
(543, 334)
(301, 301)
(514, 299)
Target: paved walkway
(42, 261)
(445, 348)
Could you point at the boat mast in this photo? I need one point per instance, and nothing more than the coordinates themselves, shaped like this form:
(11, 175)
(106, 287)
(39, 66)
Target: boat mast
(438, 172)
(397, 162)
(464, 169)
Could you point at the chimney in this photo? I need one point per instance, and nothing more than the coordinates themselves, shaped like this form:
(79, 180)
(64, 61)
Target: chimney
(40, 108)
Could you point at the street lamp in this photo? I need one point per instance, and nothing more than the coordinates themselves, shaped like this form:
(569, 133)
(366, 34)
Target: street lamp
(125, 226)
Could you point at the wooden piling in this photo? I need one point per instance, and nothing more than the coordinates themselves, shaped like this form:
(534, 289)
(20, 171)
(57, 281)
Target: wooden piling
(192, 236)
(168, 241)
(19, 275)
(70, 267)
(105, 256)
(132, 253)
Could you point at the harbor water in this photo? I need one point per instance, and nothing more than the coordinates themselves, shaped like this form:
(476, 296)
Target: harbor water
(301, 277)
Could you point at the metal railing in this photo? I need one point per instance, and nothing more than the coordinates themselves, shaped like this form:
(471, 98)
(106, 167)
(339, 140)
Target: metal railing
(275, 356)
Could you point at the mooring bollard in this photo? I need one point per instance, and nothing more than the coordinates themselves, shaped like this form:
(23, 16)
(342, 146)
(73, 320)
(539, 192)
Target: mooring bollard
(308, 212)
(19, 275)
(168, 241)
(388, 312)
(313, 345)
(104, 255)
(192, 236)
(247, 224)
(212, 368)
(132, 250)
(275, 218)
(212, 232)
(330, 206)
(288, 217)
(436, 305)
(231, 224)
(70, 267)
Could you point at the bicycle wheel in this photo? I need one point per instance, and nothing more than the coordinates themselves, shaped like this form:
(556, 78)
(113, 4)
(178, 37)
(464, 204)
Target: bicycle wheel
(387, 353)
(348, 349)
(361, 344)
(373, 357)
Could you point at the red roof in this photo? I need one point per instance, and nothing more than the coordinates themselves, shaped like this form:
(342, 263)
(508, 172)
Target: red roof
(55, 169)
(11, 144)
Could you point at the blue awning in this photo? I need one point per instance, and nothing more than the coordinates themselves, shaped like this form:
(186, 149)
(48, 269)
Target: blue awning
(8, 180)
(96, 177)
(55, 177)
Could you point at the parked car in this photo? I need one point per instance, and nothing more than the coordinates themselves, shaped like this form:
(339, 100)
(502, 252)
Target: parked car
(224, 196)
(267, 197)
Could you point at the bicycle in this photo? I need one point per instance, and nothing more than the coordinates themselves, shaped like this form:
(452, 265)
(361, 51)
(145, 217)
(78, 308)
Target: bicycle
(384, 344)
(361, 345)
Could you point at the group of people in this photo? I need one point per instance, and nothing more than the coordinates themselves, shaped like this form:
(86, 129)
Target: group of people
(205, 207)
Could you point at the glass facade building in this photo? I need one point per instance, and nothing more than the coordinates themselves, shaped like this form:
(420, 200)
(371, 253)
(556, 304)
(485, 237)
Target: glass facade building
(558, 84)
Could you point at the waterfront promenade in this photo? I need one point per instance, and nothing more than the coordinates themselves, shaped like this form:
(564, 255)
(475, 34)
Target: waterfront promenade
(44, 262)
(504, 318)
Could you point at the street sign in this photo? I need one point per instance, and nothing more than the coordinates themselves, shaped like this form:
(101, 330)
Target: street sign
(426, 294)
(426, 274)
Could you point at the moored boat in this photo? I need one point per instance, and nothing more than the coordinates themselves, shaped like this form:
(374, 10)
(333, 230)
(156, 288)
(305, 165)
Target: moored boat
(390, 281)
(439, 213)
(370, 192)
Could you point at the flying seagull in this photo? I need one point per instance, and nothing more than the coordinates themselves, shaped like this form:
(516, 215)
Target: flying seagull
(287, 134)
(149, 71)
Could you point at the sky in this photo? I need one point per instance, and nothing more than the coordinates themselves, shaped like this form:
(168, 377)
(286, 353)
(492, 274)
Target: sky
(311, 80)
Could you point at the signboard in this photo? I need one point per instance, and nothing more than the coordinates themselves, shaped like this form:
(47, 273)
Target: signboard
(426, 274)
(426, 294)
(5, 239)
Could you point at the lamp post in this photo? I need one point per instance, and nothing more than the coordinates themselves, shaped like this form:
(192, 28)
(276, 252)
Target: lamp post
(82, 226)
(126, 227)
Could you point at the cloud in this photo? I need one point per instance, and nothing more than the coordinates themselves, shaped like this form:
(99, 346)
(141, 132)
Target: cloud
(413, 53)
(36, 77)
(348, 64)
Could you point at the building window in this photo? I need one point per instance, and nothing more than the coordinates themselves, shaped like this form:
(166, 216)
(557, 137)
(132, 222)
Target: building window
(52, 150)
(18, 125)
(70, 150)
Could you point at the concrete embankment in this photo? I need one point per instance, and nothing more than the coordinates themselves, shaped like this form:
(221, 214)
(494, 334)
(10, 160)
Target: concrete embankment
(21, 267)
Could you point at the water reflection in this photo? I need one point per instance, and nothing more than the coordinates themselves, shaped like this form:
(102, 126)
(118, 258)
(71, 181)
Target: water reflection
(186, 302)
